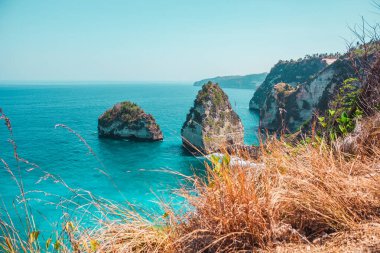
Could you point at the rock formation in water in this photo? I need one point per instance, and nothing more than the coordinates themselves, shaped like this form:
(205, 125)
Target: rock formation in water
(211, 123)
(127, 120)
(238, 82)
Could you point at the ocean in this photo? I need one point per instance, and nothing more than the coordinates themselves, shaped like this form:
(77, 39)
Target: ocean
(124, 171)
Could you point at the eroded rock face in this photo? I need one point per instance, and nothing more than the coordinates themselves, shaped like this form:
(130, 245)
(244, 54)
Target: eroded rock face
(290, 72)
(291, 107)
(364, 139)
(211, 123)
(126, 120)
(273, 110)
(294, 91)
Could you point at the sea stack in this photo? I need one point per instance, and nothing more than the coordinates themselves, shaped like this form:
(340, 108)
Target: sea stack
(211, 123)
(126, 120)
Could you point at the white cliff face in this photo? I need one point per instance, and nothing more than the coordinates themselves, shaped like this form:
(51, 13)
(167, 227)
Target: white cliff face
(211, 123)
(300, 104)
(192, 133)
(290, 72)
(127, 121)
(314, 91)
(311, 95)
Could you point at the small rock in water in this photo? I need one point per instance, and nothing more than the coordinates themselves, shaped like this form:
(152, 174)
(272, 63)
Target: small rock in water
(126, 120)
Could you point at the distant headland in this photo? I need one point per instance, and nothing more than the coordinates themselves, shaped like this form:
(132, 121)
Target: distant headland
(252, 81)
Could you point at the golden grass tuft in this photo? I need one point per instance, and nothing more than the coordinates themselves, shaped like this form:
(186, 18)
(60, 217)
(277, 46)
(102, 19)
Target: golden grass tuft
(132, 235)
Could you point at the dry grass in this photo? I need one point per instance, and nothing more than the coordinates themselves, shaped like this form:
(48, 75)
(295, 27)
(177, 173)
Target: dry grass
(302, 193)
(128, 231)
(365, 238)
(301, 197)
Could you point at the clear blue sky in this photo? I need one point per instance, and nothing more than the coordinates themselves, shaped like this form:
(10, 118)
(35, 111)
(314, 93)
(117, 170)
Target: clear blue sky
(159, 40)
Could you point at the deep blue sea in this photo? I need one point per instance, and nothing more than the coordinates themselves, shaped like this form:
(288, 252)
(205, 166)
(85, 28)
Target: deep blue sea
(135, 169)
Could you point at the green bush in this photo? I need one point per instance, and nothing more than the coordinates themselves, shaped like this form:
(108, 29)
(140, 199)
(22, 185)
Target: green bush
(340, 118)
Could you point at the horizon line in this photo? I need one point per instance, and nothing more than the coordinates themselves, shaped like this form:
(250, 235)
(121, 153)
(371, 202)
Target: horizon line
(93, 82)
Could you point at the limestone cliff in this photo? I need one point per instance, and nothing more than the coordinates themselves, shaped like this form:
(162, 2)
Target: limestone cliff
(211, 122)
(292, 106)
(290, 72)
(127, 120)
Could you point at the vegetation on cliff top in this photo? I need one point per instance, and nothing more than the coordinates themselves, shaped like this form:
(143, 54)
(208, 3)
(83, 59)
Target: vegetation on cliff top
(212, 92)
(126, 111)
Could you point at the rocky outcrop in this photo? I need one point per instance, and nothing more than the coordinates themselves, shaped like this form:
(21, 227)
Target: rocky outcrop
(364, 139)
(290, 72)
(272, 113)
(211, 123)
(127, 120)
(237, 82)
(292, 107)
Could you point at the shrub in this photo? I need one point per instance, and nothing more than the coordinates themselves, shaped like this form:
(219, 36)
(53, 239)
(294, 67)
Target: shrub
(344, 111)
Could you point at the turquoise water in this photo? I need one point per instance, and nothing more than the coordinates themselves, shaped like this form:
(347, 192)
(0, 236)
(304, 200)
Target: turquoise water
(134, 168)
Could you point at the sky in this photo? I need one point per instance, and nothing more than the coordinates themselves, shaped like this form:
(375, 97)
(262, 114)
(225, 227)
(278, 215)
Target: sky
(167, 40)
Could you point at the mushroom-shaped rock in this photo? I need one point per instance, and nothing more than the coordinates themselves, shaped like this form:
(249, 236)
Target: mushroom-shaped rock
(211, 123)
(126, 120)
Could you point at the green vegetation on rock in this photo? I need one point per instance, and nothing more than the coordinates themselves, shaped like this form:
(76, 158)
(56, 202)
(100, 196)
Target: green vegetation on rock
(128, 120)
(211, 122)
(212, 92)
(127, 111)
(343, 112)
